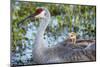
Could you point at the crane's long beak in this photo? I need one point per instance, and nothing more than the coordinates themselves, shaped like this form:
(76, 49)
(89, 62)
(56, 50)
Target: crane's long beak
(22, 21)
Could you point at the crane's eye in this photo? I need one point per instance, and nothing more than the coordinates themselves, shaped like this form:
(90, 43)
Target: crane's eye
(45, 14)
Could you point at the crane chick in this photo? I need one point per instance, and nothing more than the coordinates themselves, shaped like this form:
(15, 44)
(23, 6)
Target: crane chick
(72, 37)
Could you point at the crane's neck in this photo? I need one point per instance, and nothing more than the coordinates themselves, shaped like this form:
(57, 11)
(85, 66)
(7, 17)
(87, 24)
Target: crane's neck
(42, 27)
(39, 45)
(41, 30)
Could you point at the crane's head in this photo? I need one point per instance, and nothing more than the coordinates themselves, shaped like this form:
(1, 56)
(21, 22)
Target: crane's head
(40, 12)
